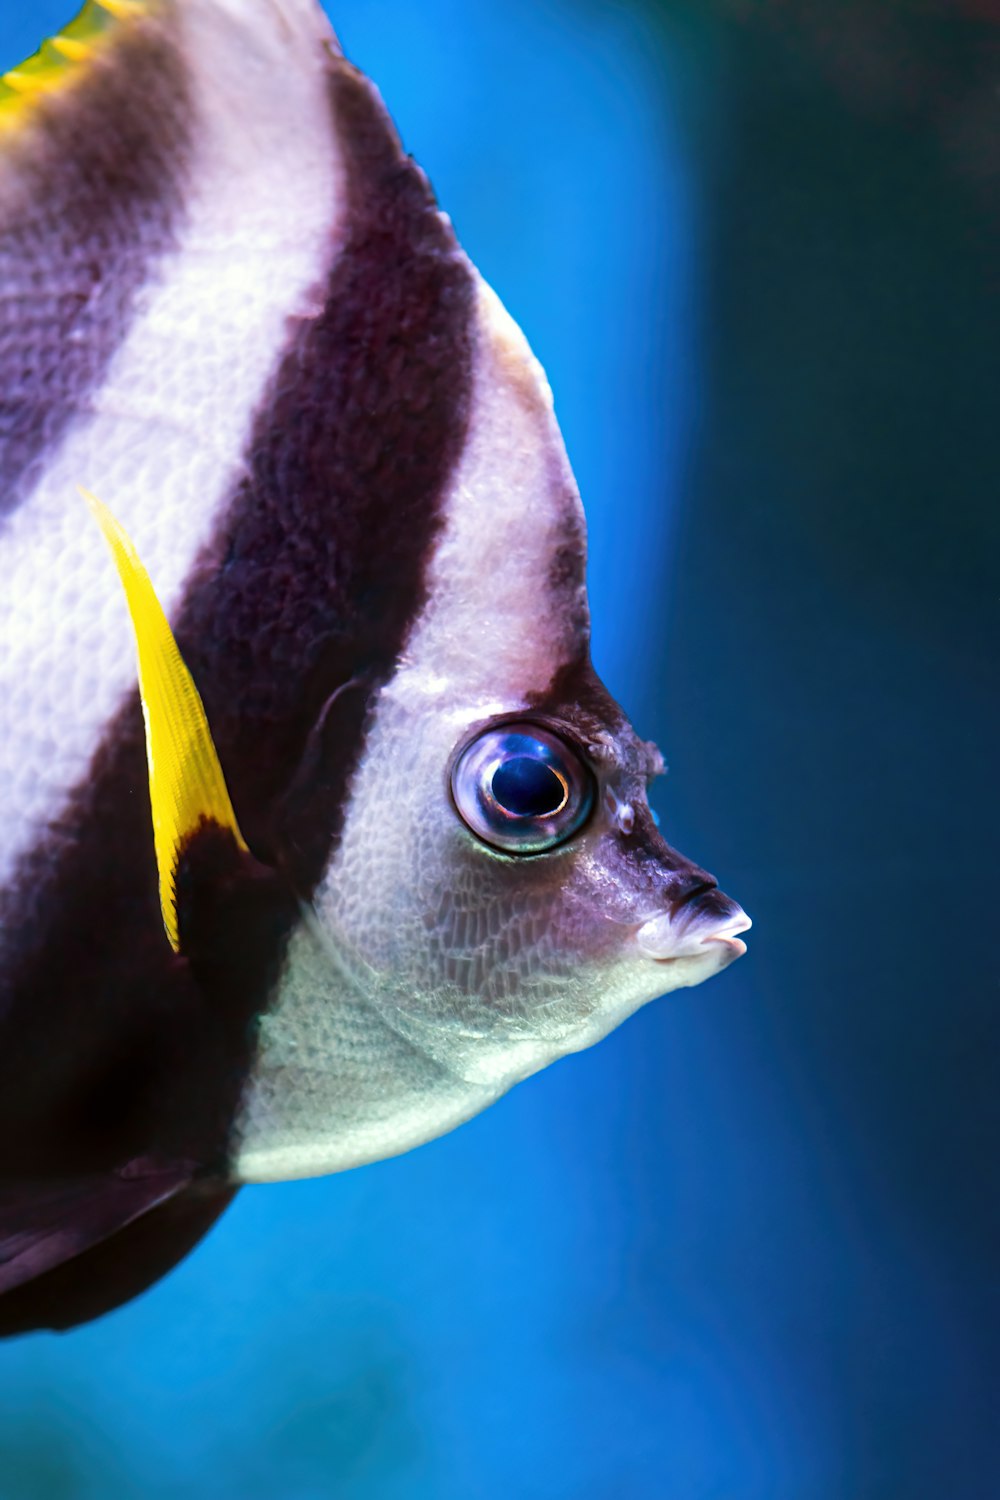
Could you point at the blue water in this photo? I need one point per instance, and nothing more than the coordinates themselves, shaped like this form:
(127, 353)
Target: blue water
(677, 1267)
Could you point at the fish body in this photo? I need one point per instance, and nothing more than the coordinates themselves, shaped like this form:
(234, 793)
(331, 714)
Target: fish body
(230, 306)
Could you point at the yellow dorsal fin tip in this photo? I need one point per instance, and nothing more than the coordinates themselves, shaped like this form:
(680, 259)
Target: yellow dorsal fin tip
(71, 49)
(186, 783)
(63, 58)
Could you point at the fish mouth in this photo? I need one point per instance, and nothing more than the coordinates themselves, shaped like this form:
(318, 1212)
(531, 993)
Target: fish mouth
(665, 941)
(728, 938)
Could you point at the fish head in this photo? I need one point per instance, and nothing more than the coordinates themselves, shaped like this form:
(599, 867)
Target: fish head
(509, 897)
(501, 889)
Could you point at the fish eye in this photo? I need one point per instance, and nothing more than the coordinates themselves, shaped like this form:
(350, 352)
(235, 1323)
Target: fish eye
(521, 788)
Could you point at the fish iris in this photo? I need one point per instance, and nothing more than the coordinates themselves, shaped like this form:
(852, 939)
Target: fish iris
(521, 788)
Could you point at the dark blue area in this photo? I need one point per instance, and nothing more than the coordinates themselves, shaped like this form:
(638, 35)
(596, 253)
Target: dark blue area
(527, 788)
(741, 1250)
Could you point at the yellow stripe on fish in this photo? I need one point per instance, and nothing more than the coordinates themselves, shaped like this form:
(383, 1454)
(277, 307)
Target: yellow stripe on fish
(63, 59)
(186, 784)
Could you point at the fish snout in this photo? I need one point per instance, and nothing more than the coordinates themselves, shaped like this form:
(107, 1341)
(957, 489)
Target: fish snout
(702, 922)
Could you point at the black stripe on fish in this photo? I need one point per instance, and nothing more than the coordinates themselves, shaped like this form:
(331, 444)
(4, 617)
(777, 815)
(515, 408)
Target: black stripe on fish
(577, 698)
(97, 175)
(114, 1047)
(317, 573)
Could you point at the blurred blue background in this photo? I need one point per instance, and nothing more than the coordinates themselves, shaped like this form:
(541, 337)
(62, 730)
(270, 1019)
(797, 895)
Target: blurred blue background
(739, 1251)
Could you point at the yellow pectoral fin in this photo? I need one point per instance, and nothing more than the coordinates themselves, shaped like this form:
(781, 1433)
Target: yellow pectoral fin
(186, 784)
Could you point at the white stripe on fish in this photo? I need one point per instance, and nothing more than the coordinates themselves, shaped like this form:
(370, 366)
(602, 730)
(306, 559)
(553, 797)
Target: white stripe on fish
(164, 437)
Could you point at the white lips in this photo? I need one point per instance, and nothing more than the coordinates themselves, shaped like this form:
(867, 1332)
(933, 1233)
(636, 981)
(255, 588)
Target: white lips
(659, 938)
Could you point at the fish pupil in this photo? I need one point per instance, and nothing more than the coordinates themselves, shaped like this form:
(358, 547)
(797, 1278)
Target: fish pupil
(528, 788)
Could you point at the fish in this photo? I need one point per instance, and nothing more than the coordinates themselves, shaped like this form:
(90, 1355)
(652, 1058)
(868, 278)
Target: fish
(319, 830)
